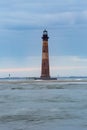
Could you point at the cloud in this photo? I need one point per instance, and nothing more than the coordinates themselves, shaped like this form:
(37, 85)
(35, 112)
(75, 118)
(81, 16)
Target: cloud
(26, 21)
(28, 14)
(20, 20)
(29, 66)
(68, 66)
(9, 70)
(23, 20)
(59, 65)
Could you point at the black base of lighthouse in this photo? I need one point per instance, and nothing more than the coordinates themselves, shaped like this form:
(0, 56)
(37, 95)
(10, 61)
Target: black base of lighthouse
(41, 78)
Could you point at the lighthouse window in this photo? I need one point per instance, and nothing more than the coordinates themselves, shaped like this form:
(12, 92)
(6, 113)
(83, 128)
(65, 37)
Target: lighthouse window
(43, 50)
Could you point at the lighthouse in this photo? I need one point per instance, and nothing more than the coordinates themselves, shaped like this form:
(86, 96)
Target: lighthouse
(45, 70)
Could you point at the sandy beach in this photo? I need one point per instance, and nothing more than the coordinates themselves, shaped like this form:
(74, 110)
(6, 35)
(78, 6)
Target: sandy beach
(43, 81)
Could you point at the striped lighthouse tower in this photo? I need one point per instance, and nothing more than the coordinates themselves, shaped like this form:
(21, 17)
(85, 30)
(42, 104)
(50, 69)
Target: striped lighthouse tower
(45, 72)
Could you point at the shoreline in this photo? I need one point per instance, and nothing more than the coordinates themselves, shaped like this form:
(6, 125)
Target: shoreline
(15, 81)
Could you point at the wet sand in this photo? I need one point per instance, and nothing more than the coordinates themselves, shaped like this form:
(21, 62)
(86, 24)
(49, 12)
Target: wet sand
(44, 81)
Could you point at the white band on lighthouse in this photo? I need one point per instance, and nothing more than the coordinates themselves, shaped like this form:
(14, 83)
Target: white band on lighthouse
(45, 56)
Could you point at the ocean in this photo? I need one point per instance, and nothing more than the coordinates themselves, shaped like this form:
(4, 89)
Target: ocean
(43, 105)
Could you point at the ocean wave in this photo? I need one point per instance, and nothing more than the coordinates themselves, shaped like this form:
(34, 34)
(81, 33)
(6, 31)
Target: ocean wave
(42, 116)
(40, 85)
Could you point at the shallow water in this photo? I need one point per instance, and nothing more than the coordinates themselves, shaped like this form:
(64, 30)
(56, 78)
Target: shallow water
(43, 105)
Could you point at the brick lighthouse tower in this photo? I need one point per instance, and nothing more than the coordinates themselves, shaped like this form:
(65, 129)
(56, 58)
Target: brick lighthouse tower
(45, 72)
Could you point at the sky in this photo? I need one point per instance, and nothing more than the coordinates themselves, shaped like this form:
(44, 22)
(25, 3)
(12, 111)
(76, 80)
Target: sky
(21, 27)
